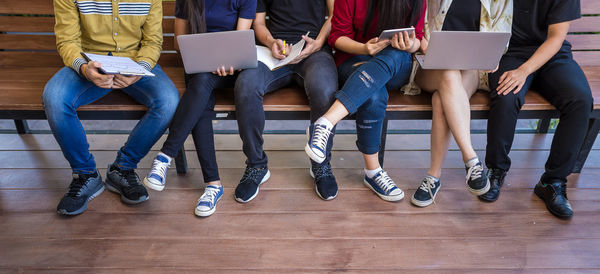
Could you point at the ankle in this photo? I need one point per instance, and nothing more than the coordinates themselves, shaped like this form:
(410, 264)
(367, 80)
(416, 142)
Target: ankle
(325, 121)
(214, 183)
(372, 172)
(472, 162)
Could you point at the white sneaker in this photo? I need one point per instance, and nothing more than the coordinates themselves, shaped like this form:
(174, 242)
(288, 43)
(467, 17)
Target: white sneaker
(157, 178)
(318, 138)
(207, 204)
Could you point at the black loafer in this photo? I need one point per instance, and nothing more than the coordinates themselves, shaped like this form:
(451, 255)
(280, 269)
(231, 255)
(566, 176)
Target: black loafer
(496, 177)
(555, 196)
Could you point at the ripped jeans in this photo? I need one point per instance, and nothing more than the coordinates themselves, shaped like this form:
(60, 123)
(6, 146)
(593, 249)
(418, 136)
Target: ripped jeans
(365, 91)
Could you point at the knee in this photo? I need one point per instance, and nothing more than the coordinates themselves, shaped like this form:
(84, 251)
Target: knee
(393, 58)
(166, 103)
(581, 100)
(376, 105)
(54, 99)
(450, 81)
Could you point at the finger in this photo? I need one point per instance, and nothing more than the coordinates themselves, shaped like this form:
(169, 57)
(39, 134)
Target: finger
(214, 72)
(510, 88)
(407, 39)
(288, 50)
(395, 41)
(401, 42)
(504, 75)
(413, 35)
(503, 85)
(518, 89)
(231, 71)
(120, 83)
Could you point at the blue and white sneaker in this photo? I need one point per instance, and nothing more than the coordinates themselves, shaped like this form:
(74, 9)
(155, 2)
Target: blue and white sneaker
(207, 204)
(157, 178)
(384, 187)
(319, 135)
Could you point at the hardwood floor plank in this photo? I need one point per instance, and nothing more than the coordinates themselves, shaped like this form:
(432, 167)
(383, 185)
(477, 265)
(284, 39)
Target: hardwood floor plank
(299, 201)
(290, 178)
(303, 254)
(283, 226)
(149, 270)
(280, 159)
(286, 142)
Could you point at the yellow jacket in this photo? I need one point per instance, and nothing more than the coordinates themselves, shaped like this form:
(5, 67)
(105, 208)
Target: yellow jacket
(130, 28)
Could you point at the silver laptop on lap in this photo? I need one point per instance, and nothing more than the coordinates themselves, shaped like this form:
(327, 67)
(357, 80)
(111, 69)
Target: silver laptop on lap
(464, 50)
(205, 52)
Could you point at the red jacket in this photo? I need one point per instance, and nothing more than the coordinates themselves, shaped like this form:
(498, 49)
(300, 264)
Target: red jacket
(349, 20)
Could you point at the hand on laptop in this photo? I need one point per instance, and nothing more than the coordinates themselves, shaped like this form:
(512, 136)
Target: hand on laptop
(310, 47)
(223, 72)
(90, 72)
(122, 81)
(512, 81)
(404, 41)
(277, 49)
(374, 46)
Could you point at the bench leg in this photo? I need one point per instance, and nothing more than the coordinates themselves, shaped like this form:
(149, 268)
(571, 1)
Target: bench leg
(588, 142)
(383, 140)
(543, 125)
(22, 127)
(181, 161)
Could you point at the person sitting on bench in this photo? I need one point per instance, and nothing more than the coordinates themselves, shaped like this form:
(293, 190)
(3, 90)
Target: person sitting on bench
(539, 57)
(124, 28)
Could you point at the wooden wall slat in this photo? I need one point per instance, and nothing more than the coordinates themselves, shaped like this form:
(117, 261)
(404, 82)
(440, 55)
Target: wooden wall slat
(586, 24)
(46, 7)
(48, 42)
(46, 24)
(585, 41)
(590, 7)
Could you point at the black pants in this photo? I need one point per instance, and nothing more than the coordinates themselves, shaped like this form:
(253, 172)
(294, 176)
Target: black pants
(195, 114)
(560, 81)
(317, 74)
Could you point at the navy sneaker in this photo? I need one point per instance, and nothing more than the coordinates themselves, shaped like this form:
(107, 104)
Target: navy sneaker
(425, 194)
(318, 138)
(127, 184)
(248, 187)
(477, 181)
(384, 187)
(325, 183)
(157, 178)
(207, 204)
(82, 189)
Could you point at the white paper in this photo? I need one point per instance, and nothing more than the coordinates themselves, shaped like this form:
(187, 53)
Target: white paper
(265, 56)
(118, 65)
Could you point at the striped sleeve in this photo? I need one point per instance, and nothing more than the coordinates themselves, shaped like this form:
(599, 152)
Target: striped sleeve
(68, 34)
(152, 37)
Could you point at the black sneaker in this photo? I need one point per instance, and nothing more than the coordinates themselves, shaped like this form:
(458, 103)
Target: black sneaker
(248, 187)
(555, 196)
(127, 183)
(425, 194)
(477, 181)
(496, 177)
(326, 186)
(82, 189)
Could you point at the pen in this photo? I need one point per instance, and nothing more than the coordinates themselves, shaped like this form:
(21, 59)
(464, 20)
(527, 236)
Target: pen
(283, 47)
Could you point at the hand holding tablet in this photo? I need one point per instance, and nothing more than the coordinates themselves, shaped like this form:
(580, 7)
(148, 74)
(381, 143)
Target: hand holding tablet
(389, 34)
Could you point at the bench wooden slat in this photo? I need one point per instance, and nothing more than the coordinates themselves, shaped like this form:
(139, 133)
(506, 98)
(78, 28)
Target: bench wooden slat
(46, 7)
(586, 24)
(585, 41)
(46, 24)
(590, 7)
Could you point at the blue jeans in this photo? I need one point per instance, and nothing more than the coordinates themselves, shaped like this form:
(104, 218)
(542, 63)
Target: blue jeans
(365, 91)
(317, 74)
(195, 114)
(67, 91)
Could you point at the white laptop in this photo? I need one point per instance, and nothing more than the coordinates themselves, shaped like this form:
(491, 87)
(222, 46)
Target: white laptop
(464, 50)
(205, 52)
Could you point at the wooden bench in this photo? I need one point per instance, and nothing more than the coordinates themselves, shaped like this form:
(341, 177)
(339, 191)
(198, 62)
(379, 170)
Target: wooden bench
(28, 59)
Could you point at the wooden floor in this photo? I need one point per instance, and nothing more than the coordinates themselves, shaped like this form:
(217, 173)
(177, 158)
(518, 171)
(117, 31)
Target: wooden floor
(287, 228)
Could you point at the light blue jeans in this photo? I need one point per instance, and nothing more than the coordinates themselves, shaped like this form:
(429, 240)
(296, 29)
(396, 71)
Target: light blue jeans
(67, 91)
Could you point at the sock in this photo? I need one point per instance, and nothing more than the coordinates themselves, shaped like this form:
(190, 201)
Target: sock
(324, 121)
(435, 179)
(372, 173)
(163, 158)
(472, 162)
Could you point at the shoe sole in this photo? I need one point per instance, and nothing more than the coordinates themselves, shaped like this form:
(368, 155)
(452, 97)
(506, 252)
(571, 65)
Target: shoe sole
(265, 179)
(388, 198)
(540, 195)
(200, 213)
(478, 192)
(153, 186)
(317, 189)
(84, 207)
(487, 199)
(123, 198)
(309, 151)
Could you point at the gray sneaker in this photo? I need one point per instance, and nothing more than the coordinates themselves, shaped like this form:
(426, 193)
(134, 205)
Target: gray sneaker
(127, 184)
(83, 188)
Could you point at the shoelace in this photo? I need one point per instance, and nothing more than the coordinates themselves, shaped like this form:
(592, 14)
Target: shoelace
(561, 189)
(321, 136)
(250, 173)
(322, 171)
(209, 195)
(474, 172)
(160, 167)
(428, 184)
(76, 185)
(131, 178)
(385, 182)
